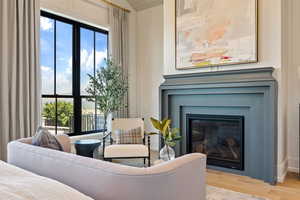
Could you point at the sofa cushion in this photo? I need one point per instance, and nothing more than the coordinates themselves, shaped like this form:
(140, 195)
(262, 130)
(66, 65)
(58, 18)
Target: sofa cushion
(126, 150)
(18, 184)
(44, 138)
(63, 139)
(132, 136)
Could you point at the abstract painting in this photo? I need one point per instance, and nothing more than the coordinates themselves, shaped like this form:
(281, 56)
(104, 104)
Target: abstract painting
(215, 32)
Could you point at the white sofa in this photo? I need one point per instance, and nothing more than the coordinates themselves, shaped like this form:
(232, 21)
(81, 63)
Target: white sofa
(182, 178)
(19, 184)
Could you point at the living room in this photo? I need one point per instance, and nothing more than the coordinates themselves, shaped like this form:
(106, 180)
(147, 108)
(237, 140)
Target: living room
(142, 89)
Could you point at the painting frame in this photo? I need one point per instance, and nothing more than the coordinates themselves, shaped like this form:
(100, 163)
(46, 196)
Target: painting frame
(256, 54)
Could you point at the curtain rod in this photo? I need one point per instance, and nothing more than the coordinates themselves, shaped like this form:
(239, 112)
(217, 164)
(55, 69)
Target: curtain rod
(115, 5)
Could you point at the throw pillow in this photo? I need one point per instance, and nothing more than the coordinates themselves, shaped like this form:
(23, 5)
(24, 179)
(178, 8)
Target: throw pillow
(132, 136)
(44, 138)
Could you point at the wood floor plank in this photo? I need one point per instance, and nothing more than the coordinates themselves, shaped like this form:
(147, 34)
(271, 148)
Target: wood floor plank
(289, 190)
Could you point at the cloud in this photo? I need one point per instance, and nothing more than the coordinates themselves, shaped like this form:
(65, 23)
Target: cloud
(46, 24)
(64, 83)
(64, 78)
(70, 63)
(100, 55)
(87, 58)
(46, 69)
(47, 80)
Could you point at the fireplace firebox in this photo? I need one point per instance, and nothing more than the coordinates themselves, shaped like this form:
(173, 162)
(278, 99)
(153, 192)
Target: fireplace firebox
(220, 137)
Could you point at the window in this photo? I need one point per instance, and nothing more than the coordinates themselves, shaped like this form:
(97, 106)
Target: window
(69, 52)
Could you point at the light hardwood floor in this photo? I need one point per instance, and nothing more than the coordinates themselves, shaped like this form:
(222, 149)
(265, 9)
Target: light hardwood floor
(289, 190)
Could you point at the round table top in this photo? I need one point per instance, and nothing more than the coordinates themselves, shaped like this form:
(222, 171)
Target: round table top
(87, 141)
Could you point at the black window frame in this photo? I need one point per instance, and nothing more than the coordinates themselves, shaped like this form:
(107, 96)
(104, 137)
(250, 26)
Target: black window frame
(76, 67)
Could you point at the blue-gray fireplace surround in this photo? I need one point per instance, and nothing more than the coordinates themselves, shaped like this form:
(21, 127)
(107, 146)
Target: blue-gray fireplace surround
(251, 93)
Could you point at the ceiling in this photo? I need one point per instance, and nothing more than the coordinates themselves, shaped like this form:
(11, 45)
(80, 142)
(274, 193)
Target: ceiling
(144, 4)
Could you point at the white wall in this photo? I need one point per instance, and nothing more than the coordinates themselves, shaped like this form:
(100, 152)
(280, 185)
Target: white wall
(94, 12)
(292, 61)
(270, 55)
(150, 64)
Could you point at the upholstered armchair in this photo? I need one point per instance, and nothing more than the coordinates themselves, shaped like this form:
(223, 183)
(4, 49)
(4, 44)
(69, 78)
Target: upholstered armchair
(128, 150)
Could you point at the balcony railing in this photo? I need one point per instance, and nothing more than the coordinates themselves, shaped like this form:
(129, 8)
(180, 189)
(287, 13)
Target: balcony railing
(89, 122)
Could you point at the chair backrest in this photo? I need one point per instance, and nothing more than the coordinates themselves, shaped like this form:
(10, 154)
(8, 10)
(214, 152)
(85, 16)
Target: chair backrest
(127, 124)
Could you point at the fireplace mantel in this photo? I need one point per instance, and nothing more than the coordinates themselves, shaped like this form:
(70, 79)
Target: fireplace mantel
(251, 93)
(229, 76)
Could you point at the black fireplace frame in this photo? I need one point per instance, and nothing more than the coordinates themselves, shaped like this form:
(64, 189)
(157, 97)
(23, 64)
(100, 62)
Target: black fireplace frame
(218, 162)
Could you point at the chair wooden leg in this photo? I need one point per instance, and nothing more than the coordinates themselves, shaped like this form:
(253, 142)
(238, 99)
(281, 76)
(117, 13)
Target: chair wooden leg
(149, 162)
(144, 161)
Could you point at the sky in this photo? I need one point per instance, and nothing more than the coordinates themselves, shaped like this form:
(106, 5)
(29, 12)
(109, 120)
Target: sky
(64, 56)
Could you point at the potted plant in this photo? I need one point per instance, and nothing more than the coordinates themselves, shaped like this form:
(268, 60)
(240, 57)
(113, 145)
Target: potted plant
(108, 88)
(168, 135)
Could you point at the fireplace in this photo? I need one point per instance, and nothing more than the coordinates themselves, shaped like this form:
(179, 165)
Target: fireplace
(240, 108)
(220, 137)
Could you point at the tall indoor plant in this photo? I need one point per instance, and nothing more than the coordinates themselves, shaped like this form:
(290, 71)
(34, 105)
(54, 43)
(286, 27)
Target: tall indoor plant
(108, 88)
(168, 135)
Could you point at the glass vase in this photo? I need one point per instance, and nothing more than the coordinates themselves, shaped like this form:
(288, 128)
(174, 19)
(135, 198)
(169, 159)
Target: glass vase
(167, 153)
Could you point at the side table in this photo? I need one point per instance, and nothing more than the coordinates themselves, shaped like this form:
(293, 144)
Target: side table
(86, 147)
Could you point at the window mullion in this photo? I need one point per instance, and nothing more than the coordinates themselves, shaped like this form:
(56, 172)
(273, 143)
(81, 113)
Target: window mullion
(76, 78)
(56, 114)
(94, 76)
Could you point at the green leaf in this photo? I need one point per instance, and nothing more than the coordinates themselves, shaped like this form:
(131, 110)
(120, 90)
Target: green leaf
(156, 124)
(177, 138)
(151, 133)
(166, 126)
(175, 131)
(171, 143)
(166, 134)
(164, 121)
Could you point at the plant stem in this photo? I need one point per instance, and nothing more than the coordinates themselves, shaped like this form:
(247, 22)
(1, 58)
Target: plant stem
(168, 151)
(105, 121)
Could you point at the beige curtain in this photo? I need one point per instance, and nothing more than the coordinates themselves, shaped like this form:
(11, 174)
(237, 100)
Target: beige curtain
(119, 48)
(19, 70)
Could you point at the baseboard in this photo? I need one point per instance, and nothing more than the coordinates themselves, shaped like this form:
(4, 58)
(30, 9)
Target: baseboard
(281, 177)
(293, 164)
(293, 169)
(282, 170)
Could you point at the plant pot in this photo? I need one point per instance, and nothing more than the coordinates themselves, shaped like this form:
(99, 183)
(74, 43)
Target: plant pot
(167, 153)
